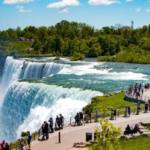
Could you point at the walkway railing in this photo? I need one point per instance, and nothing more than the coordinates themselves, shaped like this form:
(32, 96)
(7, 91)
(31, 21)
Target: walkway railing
(89, 118)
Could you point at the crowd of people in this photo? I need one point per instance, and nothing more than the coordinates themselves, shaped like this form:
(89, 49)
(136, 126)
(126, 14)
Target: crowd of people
(130, 131)
(79, 118)
(4, 145)
(113, 114)
(49, 127)
(137, 90)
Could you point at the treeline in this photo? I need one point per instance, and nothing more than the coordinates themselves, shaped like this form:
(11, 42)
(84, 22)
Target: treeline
(78, 40)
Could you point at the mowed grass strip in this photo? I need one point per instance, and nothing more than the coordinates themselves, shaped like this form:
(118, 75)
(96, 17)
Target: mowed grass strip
(104, 103)
(137, 143)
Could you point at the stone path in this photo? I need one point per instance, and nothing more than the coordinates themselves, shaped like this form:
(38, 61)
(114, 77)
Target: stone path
(71, 135)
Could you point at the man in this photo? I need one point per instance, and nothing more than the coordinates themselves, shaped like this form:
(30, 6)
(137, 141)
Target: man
(51, 124)
(57, 123)
(61, 121)
(46, 130)
(29, 139)
(129, 111)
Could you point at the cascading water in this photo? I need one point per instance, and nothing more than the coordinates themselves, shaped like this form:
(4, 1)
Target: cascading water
(16, 69)
(24, 98)
(34, 70)
(63, 87)
(12, 71)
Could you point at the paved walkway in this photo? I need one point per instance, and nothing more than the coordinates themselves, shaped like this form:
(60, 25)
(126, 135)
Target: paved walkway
(71, 135)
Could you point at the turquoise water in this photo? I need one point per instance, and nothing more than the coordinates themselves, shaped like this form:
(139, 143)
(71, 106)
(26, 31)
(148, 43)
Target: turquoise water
(32, 90)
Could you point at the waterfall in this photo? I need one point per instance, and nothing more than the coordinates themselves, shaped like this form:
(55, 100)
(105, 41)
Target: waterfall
(16, 69)
(12, 71)
(27, 105)
(35, 70)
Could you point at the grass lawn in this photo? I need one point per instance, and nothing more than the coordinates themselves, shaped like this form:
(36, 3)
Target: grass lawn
(138, 143)
(104, 103)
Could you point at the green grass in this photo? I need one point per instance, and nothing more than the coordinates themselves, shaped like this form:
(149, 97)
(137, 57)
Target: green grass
(137, 143)
(128, 57)
(104, 103)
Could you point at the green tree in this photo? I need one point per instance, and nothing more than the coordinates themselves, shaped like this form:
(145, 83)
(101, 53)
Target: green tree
(36, 45)
(145, 43)
(108, 137)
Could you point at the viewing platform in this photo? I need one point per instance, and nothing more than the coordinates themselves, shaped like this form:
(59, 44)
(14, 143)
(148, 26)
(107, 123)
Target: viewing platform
(138, 93)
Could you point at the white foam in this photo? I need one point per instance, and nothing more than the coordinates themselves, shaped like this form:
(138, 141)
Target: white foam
(67, 107)
(65, 101)
(125, 76)
(83, 69)
(107, 73)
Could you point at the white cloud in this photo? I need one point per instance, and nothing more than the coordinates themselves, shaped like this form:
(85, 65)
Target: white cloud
(10, 2)
(102, 2)
(63, 4)
(22, 9)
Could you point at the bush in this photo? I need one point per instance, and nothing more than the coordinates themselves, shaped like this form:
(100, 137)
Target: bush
(77, 56)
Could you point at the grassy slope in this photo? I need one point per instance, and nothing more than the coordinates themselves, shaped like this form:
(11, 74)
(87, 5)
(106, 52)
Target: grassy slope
(128, 57)
(138, 143)
(103, 103)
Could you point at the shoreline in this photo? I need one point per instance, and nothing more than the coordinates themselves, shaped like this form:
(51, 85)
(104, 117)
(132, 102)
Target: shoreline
(95, 59)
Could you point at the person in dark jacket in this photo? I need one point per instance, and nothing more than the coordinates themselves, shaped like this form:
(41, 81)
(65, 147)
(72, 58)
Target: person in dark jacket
(61, 118)
(51, 125)
(29, 139)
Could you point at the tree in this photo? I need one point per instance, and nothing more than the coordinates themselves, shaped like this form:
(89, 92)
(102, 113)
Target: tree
(145, 43)
(108, 137)
(36, 45)
(94, 48)
(109, 45)
(77, 56)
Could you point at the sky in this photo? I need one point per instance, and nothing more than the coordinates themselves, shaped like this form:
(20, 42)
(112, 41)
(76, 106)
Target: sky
(97, 13)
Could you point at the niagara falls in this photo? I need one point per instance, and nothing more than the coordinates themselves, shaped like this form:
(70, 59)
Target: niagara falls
(75, 75)
(32, 90)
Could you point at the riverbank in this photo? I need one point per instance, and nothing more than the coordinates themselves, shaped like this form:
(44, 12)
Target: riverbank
(127, 57)
(106, 103)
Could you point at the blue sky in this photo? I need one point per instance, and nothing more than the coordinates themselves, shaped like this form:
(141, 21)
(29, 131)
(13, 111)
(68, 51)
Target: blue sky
(98, 13)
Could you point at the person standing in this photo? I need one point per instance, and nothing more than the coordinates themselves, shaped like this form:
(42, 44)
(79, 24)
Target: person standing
(129, 111)
(115, 114)
(51, 124)
(61, 118)
(43, 131)
(57, 123)
(46, 130)
(29, 139)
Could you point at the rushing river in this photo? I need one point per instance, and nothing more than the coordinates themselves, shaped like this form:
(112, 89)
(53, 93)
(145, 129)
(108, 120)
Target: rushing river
(32, 90)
